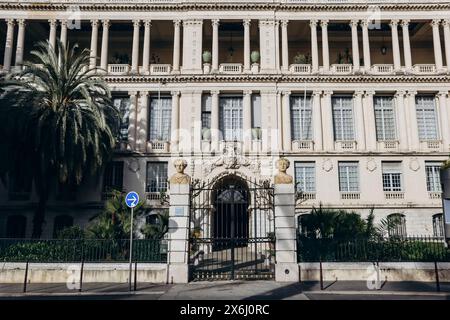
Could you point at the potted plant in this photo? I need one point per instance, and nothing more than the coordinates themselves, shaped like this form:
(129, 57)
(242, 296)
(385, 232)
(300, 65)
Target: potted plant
(254, 56)
(206, 56)
(300, 58)
(256, 133)
(206, 134)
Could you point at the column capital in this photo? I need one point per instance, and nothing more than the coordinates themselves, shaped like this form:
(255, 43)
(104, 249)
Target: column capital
(147, 23)
(365, 23)
(53, 22)
(143, 94)
(286, 93)
(248, 92)
(216, 22)
(442, 94)
(394, 23)
(136, 23)
(63, 23)
(400, 94)
(354, 23)
(446, 22)
(10, 22)
(94, 23)
(177, 23)
(405, 23)
(358, 94)
(132, 93)
(411, 93)
(175, 93)
(106, 23)
(317, 93)
(245, 22)
(324, 23)
(328, 92)
(435, 23)
(215, 92)
(21, 22)
(313, 23)
(369, 93)
(284, 23)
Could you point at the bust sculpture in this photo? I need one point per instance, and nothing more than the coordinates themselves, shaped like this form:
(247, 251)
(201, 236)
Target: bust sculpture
(180, 177)
(282, 177)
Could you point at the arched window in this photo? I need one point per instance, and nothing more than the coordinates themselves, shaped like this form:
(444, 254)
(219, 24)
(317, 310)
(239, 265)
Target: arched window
(396, 225)
(61, 222)
(16, 226)
(438, 225)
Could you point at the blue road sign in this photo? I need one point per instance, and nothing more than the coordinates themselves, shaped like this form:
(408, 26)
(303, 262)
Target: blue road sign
(132, 199)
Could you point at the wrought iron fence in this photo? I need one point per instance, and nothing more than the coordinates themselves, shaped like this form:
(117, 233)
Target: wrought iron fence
(88, 250)
(397, 249)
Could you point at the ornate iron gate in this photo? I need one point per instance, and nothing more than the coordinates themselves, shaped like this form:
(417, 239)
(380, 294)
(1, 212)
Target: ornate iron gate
(232, 229)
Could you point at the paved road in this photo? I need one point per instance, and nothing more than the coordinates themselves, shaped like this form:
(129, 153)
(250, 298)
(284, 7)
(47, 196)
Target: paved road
(231, 290)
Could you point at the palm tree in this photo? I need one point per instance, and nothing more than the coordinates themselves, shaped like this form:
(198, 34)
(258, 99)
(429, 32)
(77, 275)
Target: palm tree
(61, 122)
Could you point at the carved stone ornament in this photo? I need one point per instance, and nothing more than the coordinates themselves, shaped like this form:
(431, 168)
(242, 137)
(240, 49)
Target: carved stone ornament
(282, 177)
(371, 164)
(231, 159)
(133, 165)
(327, 165)
(414, 164)
(180, 177)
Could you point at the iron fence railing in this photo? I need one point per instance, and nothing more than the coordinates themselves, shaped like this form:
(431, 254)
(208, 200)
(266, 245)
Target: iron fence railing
(398, 249)
(88, 250)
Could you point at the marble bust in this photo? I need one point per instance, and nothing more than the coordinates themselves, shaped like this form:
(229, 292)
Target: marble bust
(282, 177)
(180, 177)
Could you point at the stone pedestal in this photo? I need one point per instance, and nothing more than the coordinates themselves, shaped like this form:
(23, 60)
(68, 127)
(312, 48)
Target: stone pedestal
(178, 258)
(286, 268)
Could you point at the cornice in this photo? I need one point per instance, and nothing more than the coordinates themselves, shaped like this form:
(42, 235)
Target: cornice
(281, 7)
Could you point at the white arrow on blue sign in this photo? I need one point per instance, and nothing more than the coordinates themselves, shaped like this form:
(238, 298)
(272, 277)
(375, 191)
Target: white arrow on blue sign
(132, 199)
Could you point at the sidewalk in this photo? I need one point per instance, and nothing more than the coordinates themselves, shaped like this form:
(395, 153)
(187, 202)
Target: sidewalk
(227, 290)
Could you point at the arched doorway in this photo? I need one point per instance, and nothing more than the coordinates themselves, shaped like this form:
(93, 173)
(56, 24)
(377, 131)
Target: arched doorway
(230, 226)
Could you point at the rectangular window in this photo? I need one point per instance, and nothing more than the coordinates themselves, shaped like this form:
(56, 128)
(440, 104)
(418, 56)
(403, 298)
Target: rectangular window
(230, 118)
(113, 176)
(392, 176)
(156, 177)
(384, 118)
(438, 225)
(122, 104)
(305, 176)
(348, 177)
(343, 118)
(432, 170)
(206, 111)
(160, 117)
(301, 115)
(426, 118)
(256, 111)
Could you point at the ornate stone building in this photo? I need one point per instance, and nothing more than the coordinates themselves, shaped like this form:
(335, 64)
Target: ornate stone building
(355, 96)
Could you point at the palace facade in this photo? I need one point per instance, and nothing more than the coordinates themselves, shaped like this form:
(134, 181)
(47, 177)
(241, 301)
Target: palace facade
(355, 96)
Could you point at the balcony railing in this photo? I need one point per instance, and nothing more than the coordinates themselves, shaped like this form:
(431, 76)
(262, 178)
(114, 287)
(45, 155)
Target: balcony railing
(345, 145)
(341, 68)
(118, 69)
(431, 145)
(302, 145)
(394, 195)
(388, 145)
(350, 196)
(308, 196)
(160, 69)
(424, 68)
(230, 68)
(300, 68)
(383, 69)
(434, 195)
(158, 146)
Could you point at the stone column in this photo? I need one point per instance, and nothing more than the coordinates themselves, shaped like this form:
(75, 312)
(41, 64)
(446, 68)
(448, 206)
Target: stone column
(52, 34)
(63, 36)
(132, 123)
(247, 53)
(446, 27)
(366, 45)
(94, 41)
(413, 139)
(437, 44)
(215, 133)
(135, 51)
(443, 116)
(327, 121)
(178, 247)
(176, 45)
(395, 45)
(369, 121)
(8, 45)
(317, 121)
(286, 123)
(215, 45)
(359, 118)
(142, 121)
(247, 120)
(406, 45)
(325, 48)
(175, 121)
(277, 45)
(146, 50)
(105, 40)
(402, 126)
(286, 267)
(314, 48)
(284, 45)
(279, 125)
(20, 42)
(355, 44)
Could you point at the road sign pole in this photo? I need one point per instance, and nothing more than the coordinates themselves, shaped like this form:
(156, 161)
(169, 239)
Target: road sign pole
(131, 249)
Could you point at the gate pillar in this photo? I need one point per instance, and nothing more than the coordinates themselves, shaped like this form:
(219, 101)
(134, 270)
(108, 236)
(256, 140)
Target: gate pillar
(286, 267)
(178, 247)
